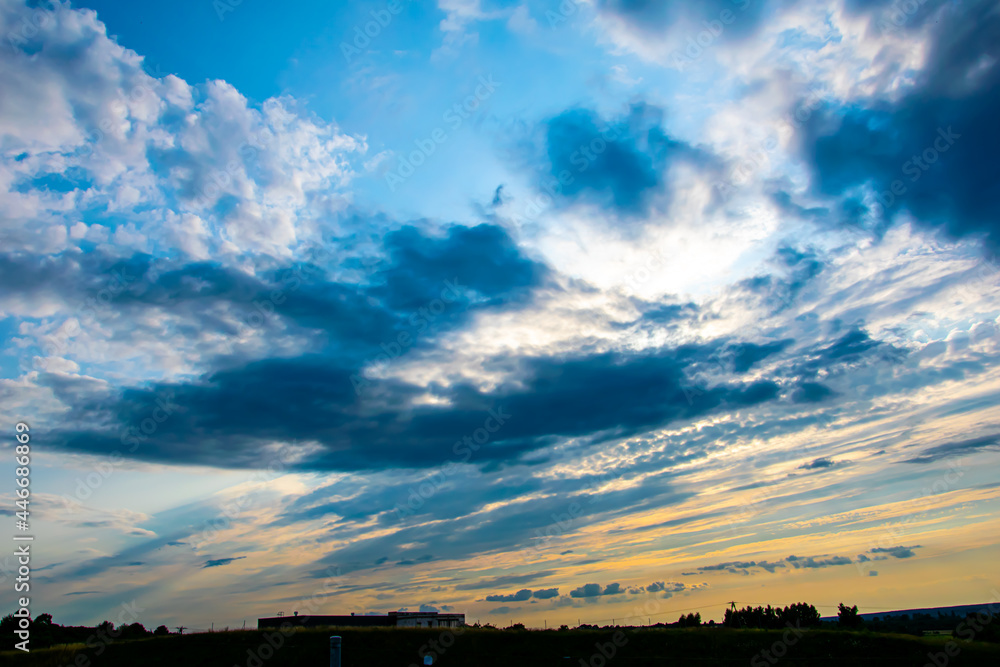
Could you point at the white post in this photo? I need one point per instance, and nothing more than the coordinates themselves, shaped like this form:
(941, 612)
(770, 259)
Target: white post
(334, 651)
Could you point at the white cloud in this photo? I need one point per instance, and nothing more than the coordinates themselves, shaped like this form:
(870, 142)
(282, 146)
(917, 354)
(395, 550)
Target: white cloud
(147, 147)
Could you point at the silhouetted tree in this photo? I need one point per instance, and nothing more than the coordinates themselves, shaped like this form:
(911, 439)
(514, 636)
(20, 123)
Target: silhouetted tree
(161, 631)
(848, 616)
(798, 615)
(7, 626)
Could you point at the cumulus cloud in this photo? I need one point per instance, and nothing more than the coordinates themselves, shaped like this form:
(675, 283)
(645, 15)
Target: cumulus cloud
(520, 596)
(595, 590)
(193, 168)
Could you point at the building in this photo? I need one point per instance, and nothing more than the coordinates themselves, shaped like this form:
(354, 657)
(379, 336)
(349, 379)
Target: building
(426, 619)
(394, 619)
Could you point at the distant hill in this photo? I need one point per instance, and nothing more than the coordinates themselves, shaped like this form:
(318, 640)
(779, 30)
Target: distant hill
(960, 610)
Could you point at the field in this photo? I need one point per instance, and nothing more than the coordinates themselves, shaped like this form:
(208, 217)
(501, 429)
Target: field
(610, 647)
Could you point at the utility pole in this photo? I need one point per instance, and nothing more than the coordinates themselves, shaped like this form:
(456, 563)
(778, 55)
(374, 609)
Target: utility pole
(181, 629)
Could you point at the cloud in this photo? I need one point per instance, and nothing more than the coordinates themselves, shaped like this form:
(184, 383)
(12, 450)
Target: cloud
(641, 391)
(896, 552)
(812, 563)
(796, 562)
(219, 562)
(545, 593)
(616, 164)
(520, 596)
(812, 392)
(668, 588)
(957, 448)
(818, 464)
(934, 141)
(661, 31)
(595, 590)
(129, 151)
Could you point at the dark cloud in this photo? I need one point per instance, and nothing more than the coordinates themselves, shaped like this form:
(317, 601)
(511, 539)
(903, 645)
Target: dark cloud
(668, 588)
(937, 141)
(818, 464)
(483, 259)
(957, 448)
(796, 562)
(853, 349)
(234, 412)
(520, 596)
(777, 291)
(595, 590)
(616, 164)
(546, 593)
(747, 355)
(813, 563)
(741, 567)
(218, 562)
(896, 552)
(649, 19)
(811, 392)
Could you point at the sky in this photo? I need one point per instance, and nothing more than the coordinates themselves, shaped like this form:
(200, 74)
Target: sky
(551, 312)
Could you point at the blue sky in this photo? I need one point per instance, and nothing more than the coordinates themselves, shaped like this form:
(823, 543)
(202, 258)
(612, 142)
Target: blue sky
(534, 310)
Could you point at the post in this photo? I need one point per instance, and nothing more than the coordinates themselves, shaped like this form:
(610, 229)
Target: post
(334, 651)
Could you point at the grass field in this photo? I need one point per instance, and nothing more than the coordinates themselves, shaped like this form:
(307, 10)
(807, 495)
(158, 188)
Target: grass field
(388, 647)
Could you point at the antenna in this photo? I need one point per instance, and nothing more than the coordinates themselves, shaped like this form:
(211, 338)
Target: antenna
(736, 614)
